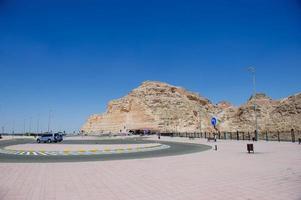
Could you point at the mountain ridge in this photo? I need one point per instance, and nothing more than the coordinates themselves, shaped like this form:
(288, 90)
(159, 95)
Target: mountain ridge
(164, 107)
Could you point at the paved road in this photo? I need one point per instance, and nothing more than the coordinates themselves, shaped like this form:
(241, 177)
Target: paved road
(175, 149)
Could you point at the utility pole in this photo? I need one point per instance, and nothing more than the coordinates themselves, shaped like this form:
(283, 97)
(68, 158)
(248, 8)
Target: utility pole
(253, 72)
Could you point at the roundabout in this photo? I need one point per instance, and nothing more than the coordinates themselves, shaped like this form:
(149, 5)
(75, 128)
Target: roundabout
(81, 150)
(73, 149)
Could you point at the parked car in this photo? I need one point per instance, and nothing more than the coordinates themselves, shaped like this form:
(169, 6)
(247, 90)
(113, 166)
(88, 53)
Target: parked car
(50, 137)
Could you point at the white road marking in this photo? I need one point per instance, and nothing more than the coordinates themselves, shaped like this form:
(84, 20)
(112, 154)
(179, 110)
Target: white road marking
(42, 153)
(51, 153)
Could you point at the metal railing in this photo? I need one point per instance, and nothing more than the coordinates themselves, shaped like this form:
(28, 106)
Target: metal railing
(287, 136)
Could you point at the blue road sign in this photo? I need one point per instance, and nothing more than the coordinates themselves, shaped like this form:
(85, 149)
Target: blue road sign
(213, 121)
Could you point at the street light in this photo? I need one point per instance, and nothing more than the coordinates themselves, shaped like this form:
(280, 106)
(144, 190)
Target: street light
(49, 120)
(24, 126)
(13, 128)
(200, 118)
(38, 124)
(30, 122)
(253, 72)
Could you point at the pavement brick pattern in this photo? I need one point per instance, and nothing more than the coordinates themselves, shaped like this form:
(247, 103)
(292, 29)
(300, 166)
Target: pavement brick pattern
(273, 172)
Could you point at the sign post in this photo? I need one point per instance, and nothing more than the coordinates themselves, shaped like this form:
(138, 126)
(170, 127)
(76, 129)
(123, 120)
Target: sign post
(214, 121)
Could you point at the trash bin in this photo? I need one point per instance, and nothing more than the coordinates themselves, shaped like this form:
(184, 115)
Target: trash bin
(250, 147)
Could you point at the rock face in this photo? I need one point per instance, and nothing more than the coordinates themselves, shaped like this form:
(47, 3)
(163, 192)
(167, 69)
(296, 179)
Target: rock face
(273, 115)
(162, 107)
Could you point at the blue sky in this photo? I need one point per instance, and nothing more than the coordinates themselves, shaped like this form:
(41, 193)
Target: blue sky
(74, 56)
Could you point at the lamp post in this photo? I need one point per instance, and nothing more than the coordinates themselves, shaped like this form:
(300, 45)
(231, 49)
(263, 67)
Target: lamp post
(253, 72)
(30, 121)
(24, 127)
(12, 129)
(38, 124)
(200, 118)
(49, 120)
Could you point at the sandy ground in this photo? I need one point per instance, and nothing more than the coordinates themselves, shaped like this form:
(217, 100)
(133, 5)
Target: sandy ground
(273, 172)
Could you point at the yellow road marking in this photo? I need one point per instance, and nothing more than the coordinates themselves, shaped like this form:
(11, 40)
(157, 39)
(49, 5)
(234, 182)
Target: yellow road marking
(93, 150)
(119, 150)
(66, 151)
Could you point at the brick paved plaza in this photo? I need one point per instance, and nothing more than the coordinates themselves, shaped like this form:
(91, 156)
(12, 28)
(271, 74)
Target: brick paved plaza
(273, 172)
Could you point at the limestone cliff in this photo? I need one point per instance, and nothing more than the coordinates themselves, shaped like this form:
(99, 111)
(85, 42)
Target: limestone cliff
(162, 107)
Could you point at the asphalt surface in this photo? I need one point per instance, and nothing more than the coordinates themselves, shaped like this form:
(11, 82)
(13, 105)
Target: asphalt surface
(175, 149)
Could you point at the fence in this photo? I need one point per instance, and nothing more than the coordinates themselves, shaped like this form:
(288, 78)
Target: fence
(287, 136)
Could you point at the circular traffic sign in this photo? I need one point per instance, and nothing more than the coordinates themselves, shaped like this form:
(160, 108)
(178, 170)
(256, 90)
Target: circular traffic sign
(213, 121)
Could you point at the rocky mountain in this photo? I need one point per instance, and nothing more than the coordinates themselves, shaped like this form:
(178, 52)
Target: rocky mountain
(162, 107)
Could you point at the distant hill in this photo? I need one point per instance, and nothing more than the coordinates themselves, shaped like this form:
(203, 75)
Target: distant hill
(162, 107)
